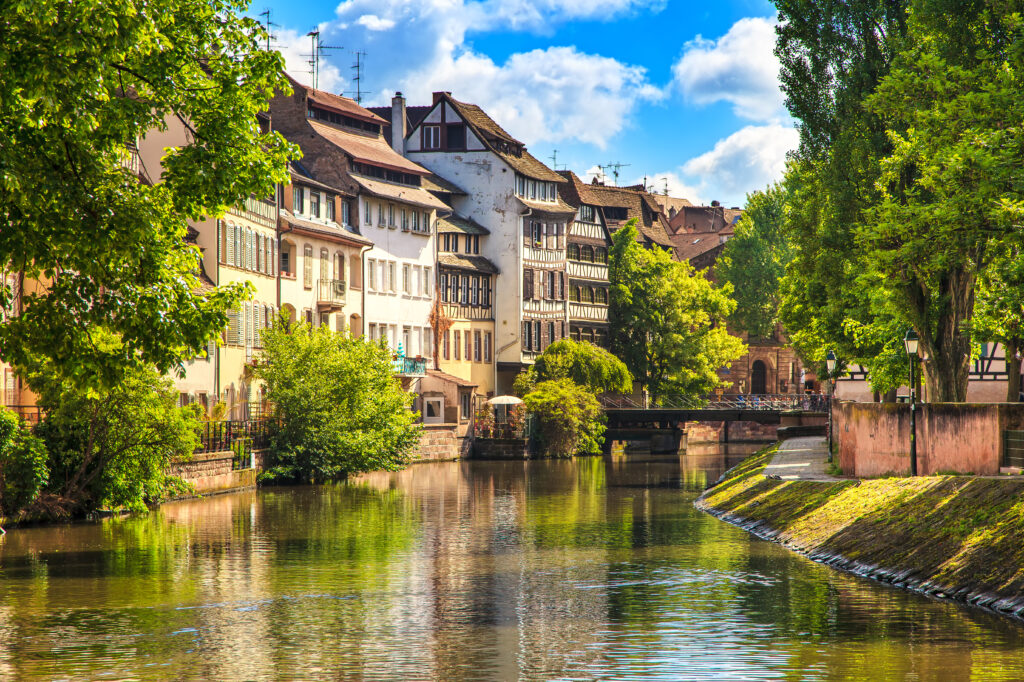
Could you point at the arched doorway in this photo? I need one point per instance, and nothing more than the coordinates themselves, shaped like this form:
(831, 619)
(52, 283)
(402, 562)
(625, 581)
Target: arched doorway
(758, 378)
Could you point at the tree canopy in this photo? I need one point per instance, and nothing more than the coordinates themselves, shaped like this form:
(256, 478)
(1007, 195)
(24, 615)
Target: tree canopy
(668, 322)
(584, 363)
(342, 410)
(83, 83)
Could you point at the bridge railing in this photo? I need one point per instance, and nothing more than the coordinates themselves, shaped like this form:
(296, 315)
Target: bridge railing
(778, 402)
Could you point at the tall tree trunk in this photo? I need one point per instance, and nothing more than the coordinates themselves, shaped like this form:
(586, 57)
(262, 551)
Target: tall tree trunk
(948, 347)
(1012, 370)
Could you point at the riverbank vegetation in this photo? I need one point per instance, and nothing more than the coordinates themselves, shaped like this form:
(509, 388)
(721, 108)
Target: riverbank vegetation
(958, 536)
(340, 408)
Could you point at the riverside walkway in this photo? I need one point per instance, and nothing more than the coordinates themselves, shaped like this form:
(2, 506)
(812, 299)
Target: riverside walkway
(803, 458)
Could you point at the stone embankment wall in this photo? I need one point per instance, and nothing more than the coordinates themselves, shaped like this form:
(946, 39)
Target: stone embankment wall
(874, 438)
(951, 537)
(441, 442)
(501, 448)
(211, 472)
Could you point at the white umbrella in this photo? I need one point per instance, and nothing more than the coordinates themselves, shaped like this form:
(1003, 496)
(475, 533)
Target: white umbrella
(504, 400)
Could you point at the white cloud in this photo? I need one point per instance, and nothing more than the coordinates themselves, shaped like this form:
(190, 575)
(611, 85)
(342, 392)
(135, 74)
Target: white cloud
(677, 187)
(740, 68)
(550, 95)
(745, 161)
(296, 49)
(375, 23)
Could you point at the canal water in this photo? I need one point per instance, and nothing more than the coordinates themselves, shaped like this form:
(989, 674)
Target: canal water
(544, 570)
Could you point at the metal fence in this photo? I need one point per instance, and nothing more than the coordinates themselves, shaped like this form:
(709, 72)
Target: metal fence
(805, 402)
(1013, 449)
(217, 436)
(32, 414)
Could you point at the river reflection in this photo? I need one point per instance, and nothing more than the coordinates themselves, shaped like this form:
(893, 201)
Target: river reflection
(583, 569)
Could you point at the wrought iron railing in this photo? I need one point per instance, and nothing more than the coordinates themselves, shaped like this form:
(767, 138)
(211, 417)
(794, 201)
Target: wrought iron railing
(806, 402)
(218, 436)
(331, 292)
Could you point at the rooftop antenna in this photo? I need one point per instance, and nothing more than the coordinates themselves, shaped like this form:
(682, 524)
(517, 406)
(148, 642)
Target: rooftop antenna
(358, 78)
(318, 49)
(615, 169)
(665, 180)
(266, 13)
(554, 159)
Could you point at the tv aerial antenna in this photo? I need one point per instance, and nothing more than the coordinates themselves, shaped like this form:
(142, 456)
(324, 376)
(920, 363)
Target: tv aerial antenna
(358, 78)
(269, 24)
(614, 167)
(318, 50)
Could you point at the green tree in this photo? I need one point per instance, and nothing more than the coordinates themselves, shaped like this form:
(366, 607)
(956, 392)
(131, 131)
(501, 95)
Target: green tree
(342, 410)
(950, 190)
(999, 311)
(83, 82)
(667, 322)
(110, 449)
(584, 363)
(24, 468)
(755, 260)
(571, 421)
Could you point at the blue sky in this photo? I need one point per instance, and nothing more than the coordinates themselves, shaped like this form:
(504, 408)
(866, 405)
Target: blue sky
(681, 91)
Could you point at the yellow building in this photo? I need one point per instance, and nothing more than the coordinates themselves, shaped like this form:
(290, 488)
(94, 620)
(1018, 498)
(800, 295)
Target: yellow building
(466, 290)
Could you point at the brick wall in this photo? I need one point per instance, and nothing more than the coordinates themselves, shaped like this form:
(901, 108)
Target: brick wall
(440, 442)
(714, 432)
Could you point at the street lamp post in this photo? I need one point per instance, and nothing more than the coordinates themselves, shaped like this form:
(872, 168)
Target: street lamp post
(830, 366)
(910, 342)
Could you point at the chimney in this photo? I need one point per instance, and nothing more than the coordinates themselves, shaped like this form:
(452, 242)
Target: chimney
(398, 123)
(716, 203)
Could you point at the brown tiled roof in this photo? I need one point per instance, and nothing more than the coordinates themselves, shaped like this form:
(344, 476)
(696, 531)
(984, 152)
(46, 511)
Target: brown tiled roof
(335, 232)
(558, 207)
(206, 284)
(336, 103)
(365, 149)
(435, 183)
(456, 223)
(638, 204)
(704, 218)
(413, 117)
(668, 203)
(492, 135)
(410, 195)
(299, 173)
(444, 376)
(464, 262)
(693, 244)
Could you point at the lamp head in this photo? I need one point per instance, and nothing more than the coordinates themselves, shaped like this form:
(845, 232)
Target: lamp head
(910, 342)
(830, 362)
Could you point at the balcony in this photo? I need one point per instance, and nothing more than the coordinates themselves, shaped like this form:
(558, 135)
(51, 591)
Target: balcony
(330, 294)
(409, 367)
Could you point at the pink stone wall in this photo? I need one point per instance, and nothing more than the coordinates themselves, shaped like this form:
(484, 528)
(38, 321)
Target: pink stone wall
(874, 438)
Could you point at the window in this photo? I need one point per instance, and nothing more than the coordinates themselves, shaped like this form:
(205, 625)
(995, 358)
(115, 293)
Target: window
(587, 213)
(465, 290)
(314, 204)
(589, 293)
(391, 215)
(391, 276)
(445, 344)
(574, 252)
(339, 322)
(444, 287)
(405, 220)
(532, 186)
(602, 296)
(406, 278)
(536, 336)
(477, 346)
(428, 281)
(574, 294)
(286, 265)
(520, 185)
(486, 295)
(431, 137)
(371, 276)
(415, 221)
(407, 340)
(325, 265)
(464, 403)
(339, 265)
(458, 344)
(455, 243)
(538, 234)
(433, 410)
(426, 221)
(487, 346)
(601, 254)
(551, 332)
(367, 214)
(297, 197)
(469, 347)
(380, 215)
(456, 136)
(325, 320)
(475, 299)
(587, 254)
(552, 291)
(307, 266)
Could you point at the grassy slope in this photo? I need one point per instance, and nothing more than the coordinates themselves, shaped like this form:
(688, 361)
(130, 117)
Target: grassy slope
(959, 533)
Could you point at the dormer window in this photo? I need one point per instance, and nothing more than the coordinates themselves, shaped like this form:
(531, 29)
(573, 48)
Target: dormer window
(314, 204)
(432, 137)
(329, 201)
(297, 200)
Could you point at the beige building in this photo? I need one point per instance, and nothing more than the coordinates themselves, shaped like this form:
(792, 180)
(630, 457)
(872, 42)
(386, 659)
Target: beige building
(321, 261)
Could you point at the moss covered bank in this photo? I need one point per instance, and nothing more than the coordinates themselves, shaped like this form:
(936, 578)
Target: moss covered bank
(954, 537)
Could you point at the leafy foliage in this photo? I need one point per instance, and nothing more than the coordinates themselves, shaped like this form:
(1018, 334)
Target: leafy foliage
(755, 260)
(341, 409)
(571, 421)
(23, 464)
(668, 323)
(584, 363)
(111, 449)
(999, 311)
(84, 83)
